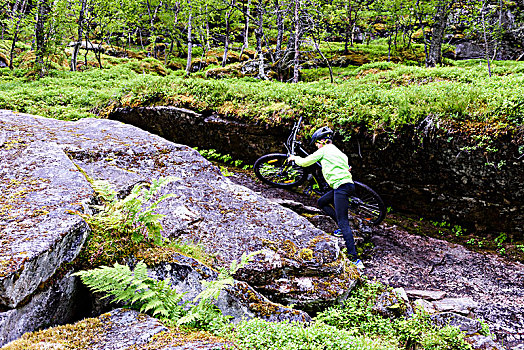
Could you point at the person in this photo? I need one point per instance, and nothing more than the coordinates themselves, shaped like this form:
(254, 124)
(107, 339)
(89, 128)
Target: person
(337, 174)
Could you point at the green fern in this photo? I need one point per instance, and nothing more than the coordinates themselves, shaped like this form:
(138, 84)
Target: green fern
(203, 311)
(132, 216)
(157, 298)
(143, 293)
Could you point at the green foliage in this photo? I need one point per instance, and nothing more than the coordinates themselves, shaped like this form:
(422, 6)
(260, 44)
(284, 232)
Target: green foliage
(358, 317)
(119, 224)
(379, 95)
(212, 154)
(194, 250)
(132, 216)
(135, 287)
(259, 334)
(157, 298)
(64, 95)
(202, 314)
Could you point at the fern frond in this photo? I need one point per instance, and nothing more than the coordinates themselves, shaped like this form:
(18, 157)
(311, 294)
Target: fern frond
(103, 189)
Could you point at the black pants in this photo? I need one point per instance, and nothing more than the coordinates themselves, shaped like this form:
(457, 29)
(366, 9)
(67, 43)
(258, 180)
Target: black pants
(339, 198)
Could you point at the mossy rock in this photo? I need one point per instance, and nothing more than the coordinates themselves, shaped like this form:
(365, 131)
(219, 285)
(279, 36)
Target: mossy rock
(250, 53)
(114, 51)
(212, 60)
(216, 54)
(55, 61)
(137, 55)
(174, 65)
(197, 64)
(4, 59)
(151, 66)
(233, 57)
(229, 71)
(351, 59)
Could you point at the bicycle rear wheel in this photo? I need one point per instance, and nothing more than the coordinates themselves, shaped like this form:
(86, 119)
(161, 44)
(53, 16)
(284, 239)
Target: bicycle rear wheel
(275, 170)
(367, 204)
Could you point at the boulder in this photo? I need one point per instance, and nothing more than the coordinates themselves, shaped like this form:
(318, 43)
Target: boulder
(58, 303)
(45, 163)
(239, 300)
(393, 304)
(40, 185)
(481, 342)
(118, 329)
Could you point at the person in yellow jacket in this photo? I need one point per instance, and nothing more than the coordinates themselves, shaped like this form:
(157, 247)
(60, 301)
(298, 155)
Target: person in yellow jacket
(337, 173)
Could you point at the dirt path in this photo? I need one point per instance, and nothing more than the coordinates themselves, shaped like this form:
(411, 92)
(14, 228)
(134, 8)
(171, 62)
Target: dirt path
(400, 259)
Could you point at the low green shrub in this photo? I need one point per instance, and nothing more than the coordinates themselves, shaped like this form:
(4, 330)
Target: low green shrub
(358, 317)
(259, 334)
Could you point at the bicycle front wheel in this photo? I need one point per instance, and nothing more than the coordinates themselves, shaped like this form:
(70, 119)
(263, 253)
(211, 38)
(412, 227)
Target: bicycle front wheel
(367, 204)
(275, 170)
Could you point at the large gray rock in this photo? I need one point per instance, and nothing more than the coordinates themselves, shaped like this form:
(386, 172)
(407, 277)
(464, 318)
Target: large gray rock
(57, 304)
(40, 173)
(467, 325)
(206, 206)
(239, 300)
(39, 185)
(119, 329)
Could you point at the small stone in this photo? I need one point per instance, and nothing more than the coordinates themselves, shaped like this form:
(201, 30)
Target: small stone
(467, 325)
(461, 306)
(426, 294)
(481, 342)
(401, 293)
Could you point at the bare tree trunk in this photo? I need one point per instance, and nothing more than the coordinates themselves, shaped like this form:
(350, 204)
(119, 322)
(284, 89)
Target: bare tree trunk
(80, 34)
(324, 58)
(486, 46)
(258, 34)
(245, 44)
(422, 27)
(389, 46)
(189, 40)
(228, 28)
(280, 28)
(296, 60)
(246, 26)
(434, 55)
(41, 17)
(15, 34)
(346, 39)
(172, 44)
(208, 45)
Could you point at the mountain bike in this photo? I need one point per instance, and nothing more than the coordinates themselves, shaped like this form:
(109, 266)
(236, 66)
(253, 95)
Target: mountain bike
(274, 169)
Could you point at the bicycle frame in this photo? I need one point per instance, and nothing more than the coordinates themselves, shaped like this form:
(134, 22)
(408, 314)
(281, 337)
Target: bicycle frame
(274, 169)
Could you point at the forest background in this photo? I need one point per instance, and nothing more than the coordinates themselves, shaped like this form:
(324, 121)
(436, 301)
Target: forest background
(283, 41)
(378, 63)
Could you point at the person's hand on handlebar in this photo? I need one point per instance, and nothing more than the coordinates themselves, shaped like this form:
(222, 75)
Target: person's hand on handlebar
(291, 158)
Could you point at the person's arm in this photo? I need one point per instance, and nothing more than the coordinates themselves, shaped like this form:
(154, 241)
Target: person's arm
(307, 161)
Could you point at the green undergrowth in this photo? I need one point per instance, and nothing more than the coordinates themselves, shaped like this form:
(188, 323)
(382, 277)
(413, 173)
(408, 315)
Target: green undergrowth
(380, 95)
(358, 315)
(353, 325)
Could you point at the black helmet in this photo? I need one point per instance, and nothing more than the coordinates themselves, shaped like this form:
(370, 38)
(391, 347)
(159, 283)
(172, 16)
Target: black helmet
(321, 134)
